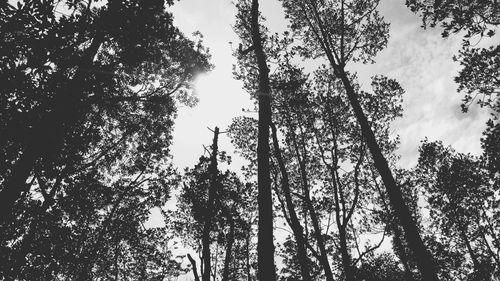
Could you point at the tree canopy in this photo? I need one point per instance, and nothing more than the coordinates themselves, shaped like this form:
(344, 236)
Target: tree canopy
(89, 186)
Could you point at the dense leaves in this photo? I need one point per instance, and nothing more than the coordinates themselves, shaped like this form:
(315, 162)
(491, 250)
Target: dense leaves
(463, 206)
(88, 101)
(233, 215)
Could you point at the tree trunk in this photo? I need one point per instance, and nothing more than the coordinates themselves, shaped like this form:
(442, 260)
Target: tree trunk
(319, 239)
(424, 260)
(265, 246)
(314, 218)
(346, 258)
(398, 243)
(402, 253)
(209, 208)
(229, 248)
(294, 221)
(193, 264)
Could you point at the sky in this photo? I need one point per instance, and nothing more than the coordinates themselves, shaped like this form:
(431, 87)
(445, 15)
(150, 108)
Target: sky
(421, 60)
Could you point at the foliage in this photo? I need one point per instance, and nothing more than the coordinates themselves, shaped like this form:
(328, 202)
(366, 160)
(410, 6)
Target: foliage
(474, 17)
(479, 73)
(88, 100)
(89, 95)
(349, 30)
(462, 205)
(234, 204)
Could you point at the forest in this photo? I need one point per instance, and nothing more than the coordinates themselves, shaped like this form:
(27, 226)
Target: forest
(89, 99)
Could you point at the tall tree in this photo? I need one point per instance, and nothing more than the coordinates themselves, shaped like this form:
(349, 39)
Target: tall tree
(265, 247)
(345, 31)
(249, 29)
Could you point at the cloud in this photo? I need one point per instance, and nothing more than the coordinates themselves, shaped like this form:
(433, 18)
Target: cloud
(421, 60)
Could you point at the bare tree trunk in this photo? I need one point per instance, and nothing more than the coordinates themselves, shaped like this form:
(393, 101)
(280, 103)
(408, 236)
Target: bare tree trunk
(424, 260)
(294, 221)
(319, 238)
(265, 246)
(193, 264)
(209, 208)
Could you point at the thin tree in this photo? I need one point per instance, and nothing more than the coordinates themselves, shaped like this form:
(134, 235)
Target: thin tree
(294, 220)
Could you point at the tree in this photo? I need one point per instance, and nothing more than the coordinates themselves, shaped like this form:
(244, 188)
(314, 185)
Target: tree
(411, 192)
(249, 30)
(232, 217)
(344, 31)
(312, 127)
(473, 17)
(87, 111)
(64, 73)
(380, 267)
(462, 203)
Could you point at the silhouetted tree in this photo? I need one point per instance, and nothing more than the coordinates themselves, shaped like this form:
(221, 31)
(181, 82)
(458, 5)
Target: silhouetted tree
(87, 105)
(344, 31)
(461, 202)
(249, 30)
(231, 205)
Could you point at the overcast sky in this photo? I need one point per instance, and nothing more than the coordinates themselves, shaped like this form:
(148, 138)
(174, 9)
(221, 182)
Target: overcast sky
(419, 59)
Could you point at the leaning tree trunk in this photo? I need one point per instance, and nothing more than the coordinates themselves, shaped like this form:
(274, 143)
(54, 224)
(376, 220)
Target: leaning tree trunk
(193, 265)
(209, 208)
(323, 257)
(265, 246)
(294, 220)
(424, 260)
